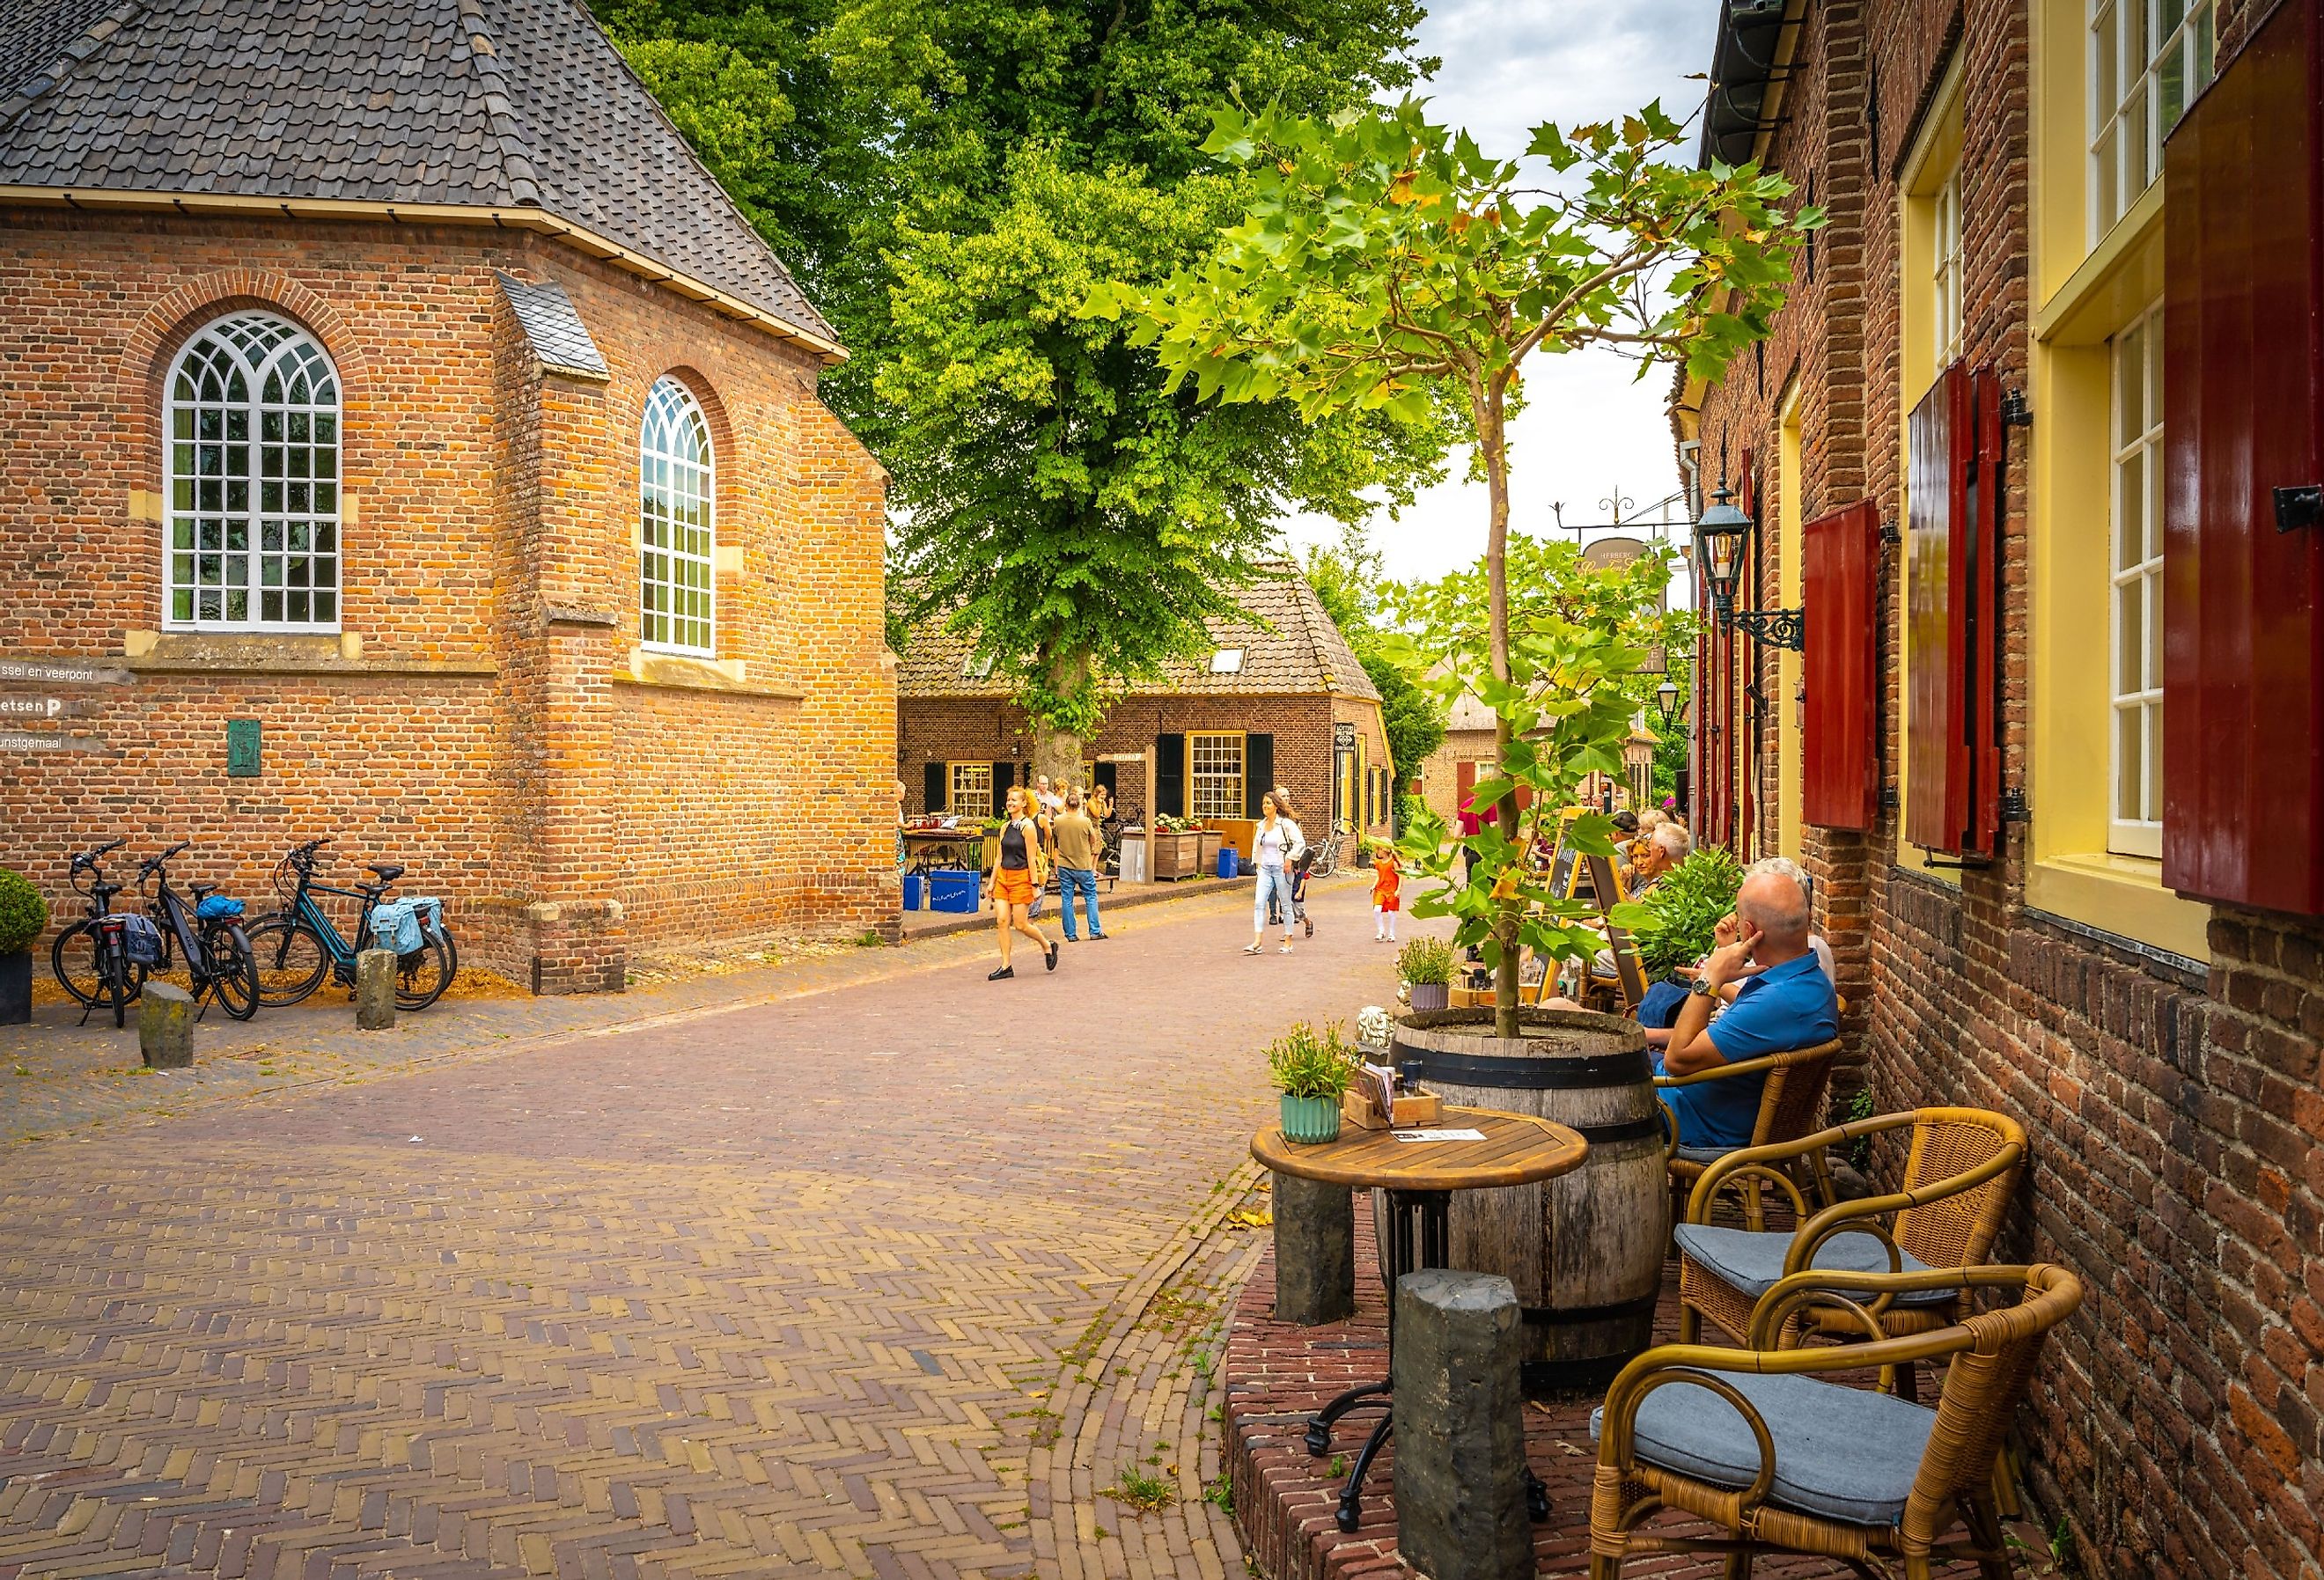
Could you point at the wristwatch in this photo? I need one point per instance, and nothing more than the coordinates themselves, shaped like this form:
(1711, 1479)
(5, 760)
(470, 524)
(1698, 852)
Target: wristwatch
(1701, 988)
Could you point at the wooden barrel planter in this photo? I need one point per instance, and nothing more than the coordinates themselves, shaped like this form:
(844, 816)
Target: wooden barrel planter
(1585, 1251)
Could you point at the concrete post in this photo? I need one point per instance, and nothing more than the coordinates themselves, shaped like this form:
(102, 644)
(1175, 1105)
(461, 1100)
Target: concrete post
(375, 991)
(1315, 1252)
(165, 1027)
(1460, 1427)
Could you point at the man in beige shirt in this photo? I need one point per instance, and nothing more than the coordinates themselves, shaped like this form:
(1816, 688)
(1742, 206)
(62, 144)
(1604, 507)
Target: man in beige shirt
(1076, 840)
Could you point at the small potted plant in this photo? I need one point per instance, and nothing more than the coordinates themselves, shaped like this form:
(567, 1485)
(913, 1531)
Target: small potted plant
(1313, 1069)
(1426, 968)
(23, 917)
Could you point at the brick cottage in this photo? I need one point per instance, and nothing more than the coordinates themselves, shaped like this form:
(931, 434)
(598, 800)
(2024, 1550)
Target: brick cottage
(2028, 450)
(1276, 698)
(388, 386)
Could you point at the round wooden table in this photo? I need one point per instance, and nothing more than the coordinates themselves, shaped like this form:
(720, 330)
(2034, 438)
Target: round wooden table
(1419, 1178)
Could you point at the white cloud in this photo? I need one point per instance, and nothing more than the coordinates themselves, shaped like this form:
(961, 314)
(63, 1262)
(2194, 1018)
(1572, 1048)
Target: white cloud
(1590, 427)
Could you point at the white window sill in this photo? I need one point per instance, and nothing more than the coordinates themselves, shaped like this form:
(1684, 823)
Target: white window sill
(651, 666)
(215, 652)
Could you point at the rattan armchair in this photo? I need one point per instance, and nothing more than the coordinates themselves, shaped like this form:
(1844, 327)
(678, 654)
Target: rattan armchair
(1791, 1100)
(1960, 1169)
(1797, 1463)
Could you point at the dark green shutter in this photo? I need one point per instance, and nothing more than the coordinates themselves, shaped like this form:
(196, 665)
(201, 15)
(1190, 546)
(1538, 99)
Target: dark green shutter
(933, 788)
(1170, 776)
(1108, 774)
(1257, 770)
(1004, 774)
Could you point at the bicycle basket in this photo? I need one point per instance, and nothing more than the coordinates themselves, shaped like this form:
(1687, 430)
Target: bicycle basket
(218, 908)
(396, 925)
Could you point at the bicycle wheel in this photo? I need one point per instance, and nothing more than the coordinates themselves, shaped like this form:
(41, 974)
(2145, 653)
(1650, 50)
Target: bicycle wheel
(93, 971)
(289, 959)
(423, 975)
(233, 969)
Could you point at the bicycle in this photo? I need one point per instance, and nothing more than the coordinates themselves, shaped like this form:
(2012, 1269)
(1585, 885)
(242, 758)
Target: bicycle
(298, 945)
(91, 957)
(218, 958)
(1327, 853)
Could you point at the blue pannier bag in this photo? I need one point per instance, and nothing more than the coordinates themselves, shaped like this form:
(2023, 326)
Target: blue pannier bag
(141, 940)
(396, 926)
(431, 912)
(217, 907)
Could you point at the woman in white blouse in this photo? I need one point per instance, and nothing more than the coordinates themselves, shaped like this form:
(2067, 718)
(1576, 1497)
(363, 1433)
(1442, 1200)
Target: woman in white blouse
(1273, 849)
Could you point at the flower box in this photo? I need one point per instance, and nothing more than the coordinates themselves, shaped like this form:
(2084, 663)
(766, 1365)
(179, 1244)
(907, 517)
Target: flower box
(1174, 855)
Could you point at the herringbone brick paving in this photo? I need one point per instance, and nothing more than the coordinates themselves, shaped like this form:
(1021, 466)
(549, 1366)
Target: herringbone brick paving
(895, 1280)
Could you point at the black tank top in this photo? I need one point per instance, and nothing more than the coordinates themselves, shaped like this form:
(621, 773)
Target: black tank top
(1012, 848)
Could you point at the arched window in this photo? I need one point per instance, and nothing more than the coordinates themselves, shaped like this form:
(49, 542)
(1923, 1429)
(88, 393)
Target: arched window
(675, 538)
(253, 513)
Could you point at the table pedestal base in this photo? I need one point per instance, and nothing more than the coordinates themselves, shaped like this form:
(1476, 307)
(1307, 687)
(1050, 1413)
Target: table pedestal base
(1418, 1235)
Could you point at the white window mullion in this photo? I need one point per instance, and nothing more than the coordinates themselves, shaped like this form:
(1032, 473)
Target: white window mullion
(677, 535)
(2134, 595)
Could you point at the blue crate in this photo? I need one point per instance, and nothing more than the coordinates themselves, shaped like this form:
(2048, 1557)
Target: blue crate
(952, 891)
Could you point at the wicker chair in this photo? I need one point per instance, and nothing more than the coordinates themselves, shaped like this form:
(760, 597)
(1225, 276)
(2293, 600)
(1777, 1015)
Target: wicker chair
(1960, 1173)
(1800, 1465)
(1791, 1100)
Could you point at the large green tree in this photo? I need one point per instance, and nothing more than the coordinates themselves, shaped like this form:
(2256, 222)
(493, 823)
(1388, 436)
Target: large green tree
(1388, 264)
(987, 160)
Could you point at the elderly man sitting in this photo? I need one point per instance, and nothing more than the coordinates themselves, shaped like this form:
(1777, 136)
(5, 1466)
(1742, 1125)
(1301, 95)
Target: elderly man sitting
(1785, 1002)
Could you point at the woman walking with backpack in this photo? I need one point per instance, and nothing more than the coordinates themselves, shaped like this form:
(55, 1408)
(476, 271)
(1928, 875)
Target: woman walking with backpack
(1018, 875)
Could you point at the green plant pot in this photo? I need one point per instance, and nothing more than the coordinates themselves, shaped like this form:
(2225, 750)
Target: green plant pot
(1311, 1120)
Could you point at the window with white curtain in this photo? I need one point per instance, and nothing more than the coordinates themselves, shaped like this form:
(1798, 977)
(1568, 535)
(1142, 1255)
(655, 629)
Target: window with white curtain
(675, 534)
(251, 525)
(2134, 559)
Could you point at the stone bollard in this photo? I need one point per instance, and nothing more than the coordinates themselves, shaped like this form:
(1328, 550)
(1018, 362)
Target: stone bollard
(1315, 1252)
(1460, 1427)
(375, 991)
(165, 1027)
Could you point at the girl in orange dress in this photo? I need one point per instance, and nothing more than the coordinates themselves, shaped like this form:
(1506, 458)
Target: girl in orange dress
(1386, 883)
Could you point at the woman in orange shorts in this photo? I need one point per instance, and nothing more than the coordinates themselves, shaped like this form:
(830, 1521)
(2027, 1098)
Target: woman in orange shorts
(1017, 878)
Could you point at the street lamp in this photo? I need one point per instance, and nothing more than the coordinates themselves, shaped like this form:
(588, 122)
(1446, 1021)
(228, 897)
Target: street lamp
(1666, 700)
(1719, 538)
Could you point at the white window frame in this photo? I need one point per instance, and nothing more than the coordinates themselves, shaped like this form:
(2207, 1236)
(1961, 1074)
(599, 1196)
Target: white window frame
(1945, 269)
(961, 779)
(2134, 572)
(2168, 48)
(236, 480)
(1205, 780)
(674, 563)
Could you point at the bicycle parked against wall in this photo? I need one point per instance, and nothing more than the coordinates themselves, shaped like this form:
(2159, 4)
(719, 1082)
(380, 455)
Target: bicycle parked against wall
(91, 957)
(208, 933)
(1329, 850)
(299, 946)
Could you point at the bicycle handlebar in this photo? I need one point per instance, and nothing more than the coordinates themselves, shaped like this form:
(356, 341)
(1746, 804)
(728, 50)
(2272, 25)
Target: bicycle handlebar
(89, 858)
(156, 863)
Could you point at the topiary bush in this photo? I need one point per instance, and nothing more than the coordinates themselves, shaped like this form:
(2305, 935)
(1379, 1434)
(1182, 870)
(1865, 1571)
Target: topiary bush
(1682, 911)
(24, 914)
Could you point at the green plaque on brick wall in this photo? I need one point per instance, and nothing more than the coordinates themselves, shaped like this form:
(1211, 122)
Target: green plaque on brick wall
(242, 748)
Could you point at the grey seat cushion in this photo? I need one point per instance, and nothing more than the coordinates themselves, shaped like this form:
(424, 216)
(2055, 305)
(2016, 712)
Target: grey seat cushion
(1843, 1453)
(1705, 1156)
(1752, 1262)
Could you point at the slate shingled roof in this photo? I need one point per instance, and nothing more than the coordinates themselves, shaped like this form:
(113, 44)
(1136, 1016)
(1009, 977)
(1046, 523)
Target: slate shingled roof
(553, 326)
(1302, 654)
(487, 104)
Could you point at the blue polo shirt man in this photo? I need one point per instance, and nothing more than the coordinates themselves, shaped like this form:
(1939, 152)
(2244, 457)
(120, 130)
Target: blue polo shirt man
(1786, 1003)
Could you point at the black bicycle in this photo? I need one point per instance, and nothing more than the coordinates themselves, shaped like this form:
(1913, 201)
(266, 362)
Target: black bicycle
(208, 933)
(91, 957)
(299, 946)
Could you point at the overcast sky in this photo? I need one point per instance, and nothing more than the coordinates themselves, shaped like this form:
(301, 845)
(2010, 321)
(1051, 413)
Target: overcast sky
(1589, 427)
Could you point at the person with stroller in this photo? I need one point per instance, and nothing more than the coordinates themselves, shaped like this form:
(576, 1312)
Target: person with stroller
(1302, 860)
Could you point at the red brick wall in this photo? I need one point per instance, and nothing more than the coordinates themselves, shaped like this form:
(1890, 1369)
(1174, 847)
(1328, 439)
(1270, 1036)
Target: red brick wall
(491, 751)
(2177, 1138)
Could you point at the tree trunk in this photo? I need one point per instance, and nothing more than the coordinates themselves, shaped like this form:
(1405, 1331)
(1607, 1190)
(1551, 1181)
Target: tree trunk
(1058, 752)
(1490, 434)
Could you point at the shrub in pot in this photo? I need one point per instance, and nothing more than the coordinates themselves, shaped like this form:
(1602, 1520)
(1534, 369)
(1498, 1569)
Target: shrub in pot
(23, 916)
(1312, 1070)
(1426, 967)
(1674, 922)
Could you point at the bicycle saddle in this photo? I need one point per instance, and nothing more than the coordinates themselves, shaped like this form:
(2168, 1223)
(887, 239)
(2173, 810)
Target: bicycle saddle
(388, 871)
(201, 892)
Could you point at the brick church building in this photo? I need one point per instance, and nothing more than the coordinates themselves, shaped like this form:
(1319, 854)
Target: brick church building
(2035, 453)
(391, 392)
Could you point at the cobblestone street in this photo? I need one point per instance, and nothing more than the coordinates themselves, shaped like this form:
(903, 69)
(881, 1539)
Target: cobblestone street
(866, 1268)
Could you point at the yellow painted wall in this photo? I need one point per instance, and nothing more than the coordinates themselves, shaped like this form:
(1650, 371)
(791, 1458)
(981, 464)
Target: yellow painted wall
(1789, 745)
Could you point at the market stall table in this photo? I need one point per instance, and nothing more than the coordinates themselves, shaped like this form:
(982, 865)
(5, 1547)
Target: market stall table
(956, 849)
(1420, 1176)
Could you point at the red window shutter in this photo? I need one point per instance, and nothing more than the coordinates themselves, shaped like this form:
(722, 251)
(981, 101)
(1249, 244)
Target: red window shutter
(1952, 601)
(1839, 567)
(2243, 647)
